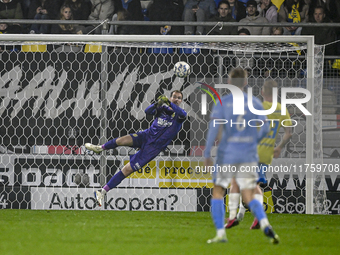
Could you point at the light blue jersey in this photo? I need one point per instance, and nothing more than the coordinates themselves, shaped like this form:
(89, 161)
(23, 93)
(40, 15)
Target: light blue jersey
(240, 133)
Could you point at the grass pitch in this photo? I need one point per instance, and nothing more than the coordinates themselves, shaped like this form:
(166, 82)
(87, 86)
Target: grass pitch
(132, 232)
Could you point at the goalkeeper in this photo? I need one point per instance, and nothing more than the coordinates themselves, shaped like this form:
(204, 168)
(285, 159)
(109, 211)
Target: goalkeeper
(169, 117)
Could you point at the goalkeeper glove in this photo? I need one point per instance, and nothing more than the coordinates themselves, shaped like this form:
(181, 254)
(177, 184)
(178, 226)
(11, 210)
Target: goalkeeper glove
(162, 100)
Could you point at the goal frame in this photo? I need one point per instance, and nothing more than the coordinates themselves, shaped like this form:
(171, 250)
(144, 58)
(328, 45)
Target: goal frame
(309, 40)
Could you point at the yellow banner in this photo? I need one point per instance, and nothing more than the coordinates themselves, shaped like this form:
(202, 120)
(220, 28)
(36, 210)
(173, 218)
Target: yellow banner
(34, 48)
(146, 172)
(182, 184)
(182, 170)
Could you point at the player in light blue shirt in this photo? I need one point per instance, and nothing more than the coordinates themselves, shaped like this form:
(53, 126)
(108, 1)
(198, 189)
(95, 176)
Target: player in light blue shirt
(237, 158)
(237, 135)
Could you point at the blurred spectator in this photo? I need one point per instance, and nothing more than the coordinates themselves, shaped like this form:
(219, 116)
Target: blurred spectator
(243, 31)
(322, 35)
(223, 15)
(166, 10)
(200, 10)
(238, 10)
(11, 9)
(45, 10)
(80, 9)
(25, 4)
(254, 17)
(128, 10)
(133, 7)
(268, 10)
(277, 31)
(330, 7)
(243, 2)
(101, 10)
(9, 29)
(66, 14)
(294, 11)
(3, 28)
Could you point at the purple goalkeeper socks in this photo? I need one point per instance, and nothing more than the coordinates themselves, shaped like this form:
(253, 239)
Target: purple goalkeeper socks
(110, 144)
(114, 181)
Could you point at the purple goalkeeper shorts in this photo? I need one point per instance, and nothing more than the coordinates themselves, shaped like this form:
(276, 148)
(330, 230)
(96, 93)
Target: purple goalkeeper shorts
(146, 153)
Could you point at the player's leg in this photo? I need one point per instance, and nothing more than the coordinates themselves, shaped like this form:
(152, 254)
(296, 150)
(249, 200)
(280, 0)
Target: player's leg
(234, 198)
(258, 195)
(258, 192)
(221, 182)
(112, 144)
(113, 182)
(257, 209)
(120, 141)
(217, 213)
(241, 211)
(247, 183)
(137, 161)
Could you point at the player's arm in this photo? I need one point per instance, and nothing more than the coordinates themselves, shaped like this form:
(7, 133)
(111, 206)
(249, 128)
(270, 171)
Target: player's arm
(285, 139)
(162, 101)
(214, 133)
(178, 110)
(151, 109)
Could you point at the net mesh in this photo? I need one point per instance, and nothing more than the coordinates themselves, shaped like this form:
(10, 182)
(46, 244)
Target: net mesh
(55, 97)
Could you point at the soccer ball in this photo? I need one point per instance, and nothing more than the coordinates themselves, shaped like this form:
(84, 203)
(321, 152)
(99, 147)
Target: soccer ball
(182, 69)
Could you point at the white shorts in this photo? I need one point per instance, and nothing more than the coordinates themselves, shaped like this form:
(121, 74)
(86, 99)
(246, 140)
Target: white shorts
(244, 178)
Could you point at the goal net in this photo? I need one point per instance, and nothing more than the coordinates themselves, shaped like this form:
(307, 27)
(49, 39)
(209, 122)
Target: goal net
(60, 91)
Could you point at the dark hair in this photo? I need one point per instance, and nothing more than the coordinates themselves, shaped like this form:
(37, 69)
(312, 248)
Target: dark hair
(243, 30)
(238, 77)
(319, 7)
(252, 2)
(176, 91)
(223, 2)
(236, 3)
(73, 5)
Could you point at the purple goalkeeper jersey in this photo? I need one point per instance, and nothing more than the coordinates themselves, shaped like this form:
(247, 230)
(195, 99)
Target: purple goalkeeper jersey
(166, 125)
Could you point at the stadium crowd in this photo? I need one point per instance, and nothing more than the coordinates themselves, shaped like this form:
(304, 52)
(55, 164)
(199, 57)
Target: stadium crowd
(256, 11)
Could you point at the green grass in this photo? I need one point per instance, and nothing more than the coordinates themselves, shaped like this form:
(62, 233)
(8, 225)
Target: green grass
(132, 232)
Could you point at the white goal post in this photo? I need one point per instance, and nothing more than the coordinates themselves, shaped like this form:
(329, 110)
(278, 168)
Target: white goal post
(255, 50)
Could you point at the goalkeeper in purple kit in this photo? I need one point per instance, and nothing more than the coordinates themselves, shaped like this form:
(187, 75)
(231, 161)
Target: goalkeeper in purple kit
(169, 118)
